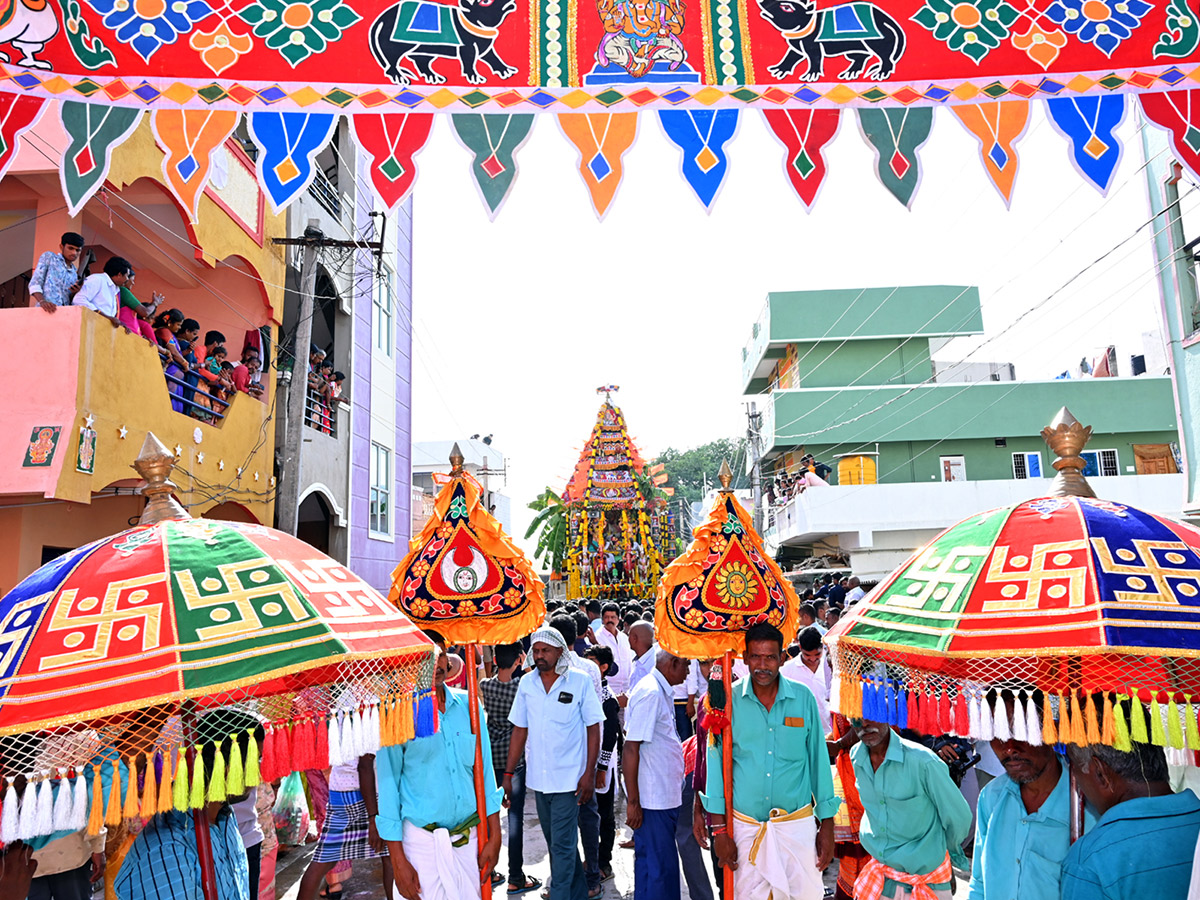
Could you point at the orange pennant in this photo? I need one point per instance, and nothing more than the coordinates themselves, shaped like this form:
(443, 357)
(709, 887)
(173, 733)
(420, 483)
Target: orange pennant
(602, 140)
(997, 127)
(189, 137)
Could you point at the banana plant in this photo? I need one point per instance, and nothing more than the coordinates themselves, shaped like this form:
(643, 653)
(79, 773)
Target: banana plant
(551, 526)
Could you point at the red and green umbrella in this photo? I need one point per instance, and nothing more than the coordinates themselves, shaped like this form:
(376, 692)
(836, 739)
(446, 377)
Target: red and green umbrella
(1092, 605)
(118, 648)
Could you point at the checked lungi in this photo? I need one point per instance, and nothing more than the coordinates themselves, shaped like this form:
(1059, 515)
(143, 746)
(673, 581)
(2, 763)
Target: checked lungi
(344, 832)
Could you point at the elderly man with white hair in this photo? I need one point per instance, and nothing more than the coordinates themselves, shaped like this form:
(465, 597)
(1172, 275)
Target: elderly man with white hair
(556, 722)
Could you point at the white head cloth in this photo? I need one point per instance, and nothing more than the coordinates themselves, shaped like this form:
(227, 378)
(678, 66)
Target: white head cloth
(548, 635)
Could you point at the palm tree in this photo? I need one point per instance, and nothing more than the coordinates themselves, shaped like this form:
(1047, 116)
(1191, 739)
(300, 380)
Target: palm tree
(551, 520)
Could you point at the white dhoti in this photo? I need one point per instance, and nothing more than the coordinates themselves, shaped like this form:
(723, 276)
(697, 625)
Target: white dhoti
(446, 872)
(777, 859)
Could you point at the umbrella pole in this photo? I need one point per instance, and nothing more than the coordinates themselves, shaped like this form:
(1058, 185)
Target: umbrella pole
(727, 761)
(480, 798)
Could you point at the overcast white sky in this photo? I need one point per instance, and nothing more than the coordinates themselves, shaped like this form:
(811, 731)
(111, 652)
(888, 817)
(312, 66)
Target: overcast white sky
(519, 320)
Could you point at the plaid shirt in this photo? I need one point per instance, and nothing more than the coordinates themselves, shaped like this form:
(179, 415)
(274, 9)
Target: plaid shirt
(498, 699)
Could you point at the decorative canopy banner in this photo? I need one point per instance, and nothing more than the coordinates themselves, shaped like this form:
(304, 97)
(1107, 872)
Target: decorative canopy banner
(463, 577)
(589, 55)
(724, 583)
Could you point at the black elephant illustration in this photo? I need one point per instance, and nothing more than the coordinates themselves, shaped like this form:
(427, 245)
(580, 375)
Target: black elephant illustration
(422, 31)
(859, 31)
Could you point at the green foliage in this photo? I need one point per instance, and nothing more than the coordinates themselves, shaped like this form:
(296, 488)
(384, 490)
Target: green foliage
(552, 527)
(689, 468)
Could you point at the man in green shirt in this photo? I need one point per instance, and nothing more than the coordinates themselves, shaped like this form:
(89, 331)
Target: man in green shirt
(914, 816)
(781, 781)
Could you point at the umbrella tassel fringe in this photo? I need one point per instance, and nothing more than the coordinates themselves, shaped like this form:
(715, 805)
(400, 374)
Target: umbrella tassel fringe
(335, 741)
(973, 720)
(196, 799)
(79, 807)
(1137, 724)
(1019, 732)
(1033, 728)
(253, 769)
(1158, 735)
(166, 785)
(1193, 733)
(216, 781)
(1174, 725)
(1049, 732)
(236, 783)
(1108, 732)
(1093, 723)
(321, 725)
(112, 815)
(283, 751)
(1078, 726)
(179, 794)
(149, 789)
(1000, 726)
(268, 766)
(45, 809)
(987, 729)
(95, 822)
(945, 711)
(409, 723)
(63, 803)
(347, 737)
(131, 810)
(1121, 740)
(27, 820)
(10, 815)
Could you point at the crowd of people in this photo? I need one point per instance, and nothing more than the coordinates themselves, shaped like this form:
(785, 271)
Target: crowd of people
(786, 485)
(590, 707)
(201, 378)
(324, 391)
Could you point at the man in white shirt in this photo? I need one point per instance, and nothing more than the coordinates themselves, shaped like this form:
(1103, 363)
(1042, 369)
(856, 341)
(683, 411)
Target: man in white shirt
(855, 593)
(102, 292)
(641, 644)
(809, 670)
(653, 763)
(610, 635)
(556, 722)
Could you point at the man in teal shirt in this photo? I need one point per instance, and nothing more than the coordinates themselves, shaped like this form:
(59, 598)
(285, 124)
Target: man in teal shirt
(1144, 842)
(1022, 830)
(914, 815)
(427, 802)
(781, 781)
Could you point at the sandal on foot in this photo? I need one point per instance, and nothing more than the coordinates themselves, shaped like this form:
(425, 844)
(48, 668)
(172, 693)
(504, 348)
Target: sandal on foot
(531, 884)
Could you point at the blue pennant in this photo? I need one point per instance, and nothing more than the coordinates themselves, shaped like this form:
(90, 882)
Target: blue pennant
(701, 134)
(288, 142)
(1090, 123)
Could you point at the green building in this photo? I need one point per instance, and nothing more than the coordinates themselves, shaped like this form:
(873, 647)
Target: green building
(850, 377)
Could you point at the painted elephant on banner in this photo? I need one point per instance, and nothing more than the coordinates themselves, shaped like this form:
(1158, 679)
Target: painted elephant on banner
(28, 25)
(859, 31)
(421, 31)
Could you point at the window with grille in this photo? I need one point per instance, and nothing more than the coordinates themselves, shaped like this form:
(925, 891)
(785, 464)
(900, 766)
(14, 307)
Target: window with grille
(381, 490)
(1100, 462)
(382, 301)
(1027, 465)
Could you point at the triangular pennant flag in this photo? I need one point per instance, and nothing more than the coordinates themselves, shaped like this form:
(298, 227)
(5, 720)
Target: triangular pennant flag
(94, 129)
(701, 135)
(896, 135)
(494, 139)
(602, 140)
(1177, 113)
(1090, 124)
(18, 113)
(804, 133)
(391, 140)
(288, 143)
(190, 136)
(997, 127)
(463, 576)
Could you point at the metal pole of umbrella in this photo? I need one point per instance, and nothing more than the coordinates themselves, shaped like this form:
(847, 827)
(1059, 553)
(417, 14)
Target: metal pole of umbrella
(480, 799)
(727, 761)
(208, 869)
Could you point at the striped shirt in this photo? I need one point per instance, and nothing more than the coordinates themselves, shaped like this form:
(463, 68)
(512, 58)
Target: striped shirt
(498, 699)
(162, 864)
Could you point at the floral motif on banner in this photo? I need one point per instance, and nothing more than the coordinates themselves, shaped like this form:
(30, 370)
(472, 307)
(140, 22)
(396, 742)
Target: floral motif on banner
(974, 29)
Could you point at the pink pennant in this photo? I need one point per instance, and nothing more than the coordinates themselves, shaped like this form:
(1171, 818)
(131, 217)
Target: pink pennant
(804, 134)
(1177, 113)
(18, 113)
(392, 140)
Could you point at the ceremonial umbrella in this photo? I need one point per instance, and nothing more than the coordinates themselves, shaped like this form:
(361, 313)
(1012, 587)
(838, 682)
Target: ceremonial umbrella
(1091, 604)
(119, 648)
(464, 578)
(724, 583)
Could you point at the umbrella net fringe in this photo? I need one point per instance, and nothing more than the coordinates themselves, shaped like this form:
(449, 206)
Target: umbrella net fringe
(1106, 698)
(182, 754)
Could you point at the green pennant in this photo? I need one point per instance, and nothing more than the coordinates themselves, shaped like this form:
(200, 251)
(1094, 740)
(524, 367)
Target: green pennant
(896, 135)
(494, 139)
(94, 129)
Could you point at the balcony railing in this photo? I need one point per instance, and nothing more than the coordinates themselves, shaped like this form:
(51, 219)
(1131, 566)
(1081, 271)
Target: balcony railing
(326, 194)
(185, 393)
(320, 415)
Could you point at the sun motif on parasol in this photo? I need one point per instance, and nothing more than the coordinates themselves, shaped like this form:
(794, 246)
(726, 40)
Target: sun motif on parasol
(736, 585)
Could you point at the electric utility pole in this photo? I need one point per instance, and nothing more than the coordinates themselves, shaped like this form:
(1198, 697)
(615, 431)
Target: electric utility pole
(288, 496)
(753, 427)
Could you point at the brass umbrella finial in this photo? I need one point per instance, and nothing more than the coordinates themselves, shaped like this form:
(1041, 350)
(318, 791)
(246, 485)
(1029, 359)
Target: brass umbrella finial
(1066, 437)
(154, 463)
(456, 460)
(725, 475)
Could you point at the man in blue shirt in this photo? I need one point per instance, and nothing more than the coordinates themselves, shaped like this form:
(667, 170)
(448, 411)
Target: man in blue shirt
(163, 863)
(1146, 837)
(557, 712)
(427, 809)
(1022, 830)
